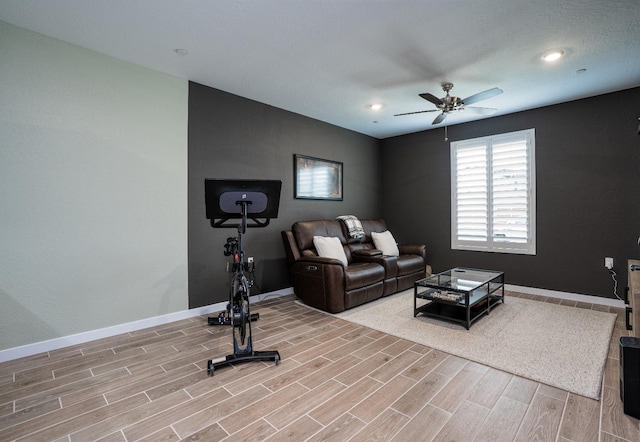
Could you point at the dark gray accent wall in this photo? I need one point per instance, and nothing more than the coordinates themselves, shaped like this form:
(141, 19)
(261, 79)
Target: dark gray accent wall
(588, 193)
(587, 173)
(233, 137)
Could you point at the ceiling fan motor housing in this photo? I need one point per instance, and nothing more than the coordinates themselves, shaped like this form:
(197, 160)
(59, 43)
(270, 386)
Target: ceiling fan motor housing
(450, 103)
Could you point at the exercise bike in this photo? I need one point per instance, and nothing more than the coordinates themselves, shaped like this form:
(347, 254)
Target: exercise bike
(252, 197)
(237, 267)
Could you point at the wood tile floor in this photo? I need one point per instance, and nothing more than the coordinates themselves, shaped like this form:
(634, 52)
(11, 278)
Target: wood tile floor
(336, 381)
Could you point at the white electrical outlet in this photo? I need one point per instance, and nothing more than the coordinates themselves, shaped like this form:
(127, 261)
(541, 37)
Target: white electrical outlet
(608, 263)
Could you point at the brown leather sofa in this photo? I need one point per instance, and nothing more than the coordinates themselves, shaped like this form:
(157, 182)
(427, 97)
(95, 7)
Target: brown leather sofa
(326, 284)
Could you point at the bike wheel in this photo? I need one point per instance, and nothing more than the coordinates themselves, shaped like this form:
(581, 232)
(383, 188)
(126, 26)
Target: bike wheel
(241, 317)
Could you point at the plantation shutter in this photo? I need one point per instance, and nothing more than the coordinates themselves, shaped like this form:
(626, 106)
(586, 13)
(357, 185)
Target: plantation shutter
(493, 184)
(510, 191)
(472, 186)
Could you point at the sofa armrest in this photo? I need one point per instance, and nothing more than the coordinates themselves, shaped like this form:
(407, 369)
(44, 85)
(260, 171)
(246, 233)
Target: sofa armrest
(290, 246)
(367, 253)
(320, 282)
(413, 249)
(390, 263)
(319, 260)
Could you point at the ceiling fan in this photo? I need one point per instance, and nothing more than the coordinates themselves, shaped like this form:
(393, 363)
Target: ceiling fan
(448, 103)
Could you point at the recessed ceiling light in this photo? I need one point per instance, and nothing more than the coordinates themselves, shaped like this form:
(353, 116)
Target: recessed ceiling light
(182, 52)
(553, 55)
(375, 106)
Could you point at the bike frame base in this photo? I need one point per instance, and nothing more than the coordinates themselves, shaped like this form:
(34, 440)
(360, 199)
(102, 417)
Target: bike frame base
(254, 356)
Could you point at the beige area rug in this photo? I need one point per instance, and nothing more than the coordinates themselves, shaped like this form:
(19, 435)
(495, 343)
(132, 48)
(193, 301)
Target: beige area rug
(561, 346)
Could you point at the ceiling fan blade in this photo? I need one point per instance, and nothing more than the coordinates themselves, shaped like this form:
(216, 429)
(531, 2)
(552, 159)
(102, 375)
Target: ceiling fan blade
(481, 110)
(432, 98)
(416, 112)
(440, 118)
(482, 95)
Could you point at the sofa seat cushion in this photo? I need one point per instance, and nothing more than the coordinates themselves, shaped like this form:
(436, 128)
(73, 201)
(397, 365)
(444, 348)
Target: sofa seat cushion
(361, 274)
(409, 264)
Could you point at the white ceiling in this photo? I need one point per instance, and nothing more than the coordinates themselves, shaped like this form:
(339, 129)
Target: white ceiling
(330, 59)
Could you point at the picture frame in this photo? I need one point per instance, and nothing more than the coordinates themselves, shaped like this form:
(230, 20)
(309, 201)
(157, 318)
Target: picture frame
(316, 178)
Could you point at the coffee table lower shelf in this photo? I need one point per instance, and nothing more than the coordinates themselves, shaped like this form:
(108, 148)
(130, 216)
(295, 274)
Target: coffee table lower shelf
(453, 312)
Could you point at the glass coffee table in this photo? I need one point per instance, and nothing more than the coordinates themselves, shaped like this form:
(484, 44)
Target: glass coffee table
(459, 295)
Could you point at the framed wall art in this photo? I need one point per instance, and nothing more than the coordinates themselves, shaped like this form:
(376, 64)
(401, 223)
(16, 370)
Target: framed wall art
(317, 179)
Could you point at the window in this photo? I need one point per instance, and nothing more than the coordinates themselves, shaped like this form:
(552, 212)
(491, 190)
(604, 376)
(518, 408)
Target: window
(493, 193)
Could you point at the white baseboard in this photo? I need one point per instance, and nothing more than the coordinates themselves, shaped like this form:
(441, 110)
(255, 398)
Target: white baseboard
(610, 302)
(92, 335)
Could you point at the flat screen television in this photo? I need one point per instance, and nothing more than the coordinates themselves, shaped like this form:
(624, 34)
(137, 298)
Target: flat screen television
(224, 199)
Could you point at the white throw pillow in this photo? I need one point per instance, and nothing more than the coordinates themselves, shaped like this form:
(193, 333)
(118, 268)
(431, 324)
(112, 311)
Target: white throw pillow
(384, 241)
(330, 247)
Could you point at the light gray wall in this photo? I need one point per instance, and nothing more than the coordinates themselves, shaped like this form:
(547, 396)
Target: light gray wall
(93, 183)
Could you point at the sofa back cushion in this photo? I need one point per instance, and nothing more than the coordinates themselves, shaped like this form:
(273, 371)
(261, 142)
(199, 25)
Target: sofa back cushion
(372, 225)
(304, 231)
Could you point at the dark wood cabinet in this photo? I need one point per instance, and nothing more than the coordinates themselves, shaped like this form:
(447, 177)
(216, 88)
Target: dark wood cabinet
(633, 310)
